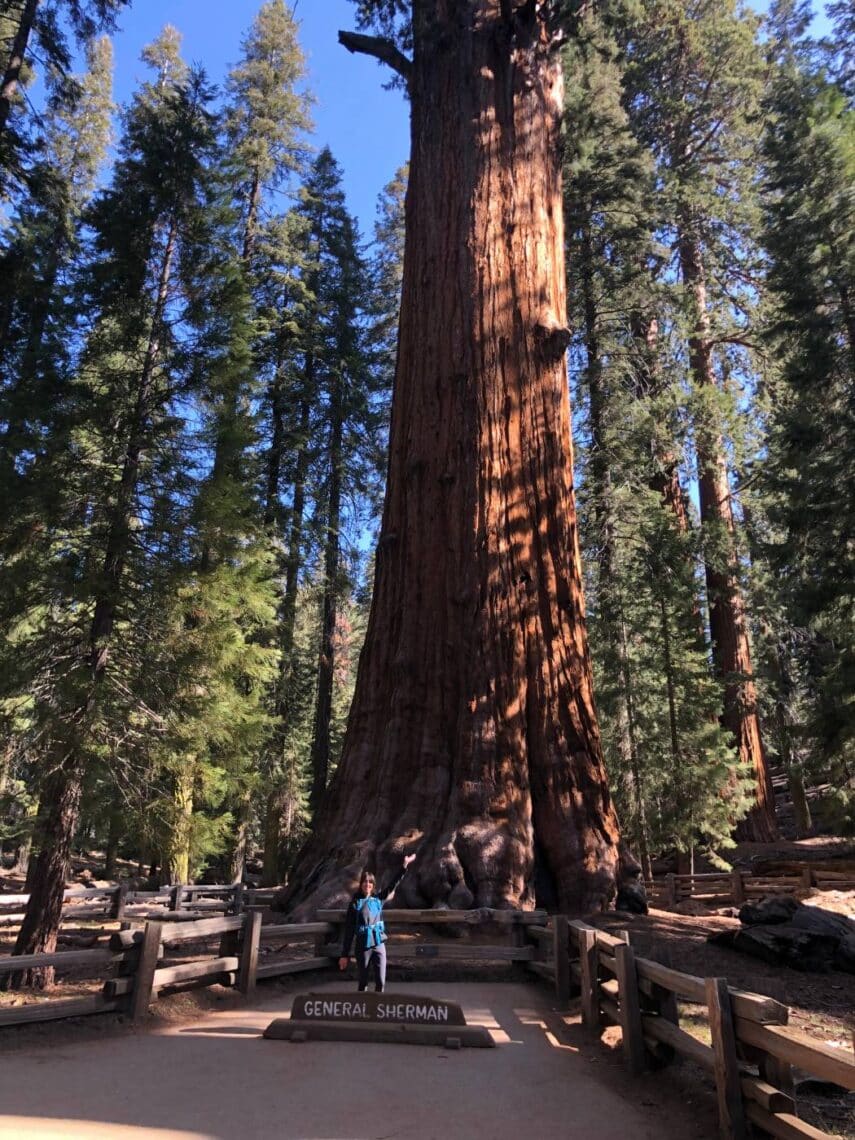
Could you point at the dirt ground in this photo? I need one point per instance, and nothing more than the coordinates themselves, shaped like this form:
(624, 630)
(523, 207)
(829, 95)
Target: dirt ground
(214, 1076)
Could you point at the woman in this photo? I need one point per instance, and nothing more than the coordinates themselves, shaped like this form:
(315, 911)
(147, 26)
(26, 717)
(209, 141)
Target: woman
(365, 920)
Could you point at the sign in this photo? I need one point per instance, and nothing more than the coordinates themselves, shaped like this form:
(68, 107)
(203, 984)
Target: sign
(385, 1009)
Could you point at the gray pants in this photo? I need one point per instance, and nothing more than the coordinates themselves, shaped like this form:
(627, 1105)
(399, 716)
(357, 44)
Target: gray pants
(375, 961)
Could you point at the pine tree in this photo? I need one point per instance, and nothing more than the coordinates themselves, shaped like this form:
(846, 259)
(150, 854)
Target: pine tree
(650, 664)
(267, 114)
(33, 28)
(35, 302)
(388, 271)
(149, 229)
(809, 147)
(265, 121)
(693, 79)
(347, 422)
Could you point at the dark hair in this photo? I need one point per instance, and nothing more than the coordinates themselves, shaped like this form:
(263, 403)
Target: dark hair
(366, 874)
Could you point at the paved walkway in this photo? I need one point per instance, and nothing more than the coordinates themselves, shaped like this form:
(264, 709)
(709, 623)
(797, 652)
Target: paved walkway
(218, 1079)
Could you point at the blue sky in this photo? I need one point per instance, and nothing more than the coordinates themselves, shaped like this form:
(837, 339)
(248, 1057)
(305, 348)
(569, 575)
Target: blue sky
(366, 127)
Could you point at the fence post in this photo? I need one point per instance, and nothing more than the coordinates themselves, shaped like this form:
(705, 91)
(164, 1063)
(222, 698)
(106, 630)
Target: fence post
(249, 952)
(632, 1031)
(237, 898)
(777, 1073)
(737, 887)
(146, 966)
(589, 977)
(175, 897)
(561, 955)
(119, 899)
(807, 878)
(671, 897)
(731, 1111)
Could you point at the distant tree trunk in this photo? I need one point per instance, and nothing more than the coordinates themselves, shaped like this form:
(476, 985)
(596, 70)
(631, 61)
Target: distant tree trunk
(473, 732)
(731, 651)
(114, 837)
(649, 382)
(62, 789)
(270, 871)
(237, 862)
(632, 756)
(326, 658)
(176, 865)
(14, 64)
(287, 621)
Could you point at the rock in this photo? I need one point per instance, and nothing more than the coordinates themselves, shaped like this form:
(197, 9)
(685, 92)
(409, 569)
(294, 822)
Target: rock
(784, 932)
(632, 897)
(823, 922)
(844, 959)
(769, 911)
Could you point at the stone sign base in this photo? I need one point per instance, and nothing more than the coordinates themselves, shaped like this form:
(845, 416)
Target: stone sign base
(401, 1019)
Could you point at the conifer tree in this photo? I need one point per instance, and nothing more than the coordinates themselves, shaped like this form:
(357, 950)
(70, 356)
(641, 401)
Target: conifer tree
(36, 308)
(157, 266)
(692, 80)
(653, 683)
(30, 28)
(346, 420)
(809, 150)
(266, 118)
(473, 731)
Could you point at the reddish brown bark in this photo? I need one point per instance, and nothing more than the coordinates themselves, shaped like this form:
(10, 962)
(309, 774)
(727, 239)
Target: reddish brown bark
(728, 627)
(473, 736)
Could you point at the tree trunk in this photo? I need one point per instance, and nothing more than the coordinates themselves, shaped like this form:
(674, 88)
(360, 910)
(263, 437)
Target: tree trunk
(237, 861)
(40, 926)
(14, 64)
(473, 732)
(326, 658)
(62, 789)
(272, 825)
(287, 620)
(649, 383)
(176, 865)
(114, 837)
(731, 651)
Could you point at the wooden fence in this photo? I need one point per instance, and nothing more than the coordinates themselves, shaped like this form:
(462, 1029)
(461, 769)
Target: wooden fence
(118, 902)
(736, 887)
(752, 1049)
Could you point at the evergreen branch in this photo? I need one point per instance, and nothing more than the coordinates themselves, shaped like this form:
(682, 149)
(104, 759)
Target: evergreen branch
(381, 49)
(725, 339)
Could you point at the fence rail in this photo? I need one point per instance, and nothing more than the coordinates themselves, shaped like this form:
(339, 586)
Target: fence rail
(738, 887)
(752, 1051)
(177, 903)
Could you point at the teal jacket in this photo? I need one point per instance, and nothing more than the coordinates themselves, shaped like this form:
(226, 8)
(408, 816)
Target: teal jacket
(365, 919)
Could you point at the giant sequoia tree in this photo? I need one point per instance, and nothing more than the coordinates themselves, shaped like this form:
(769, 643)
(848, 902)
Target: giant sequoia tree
(473, 736)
